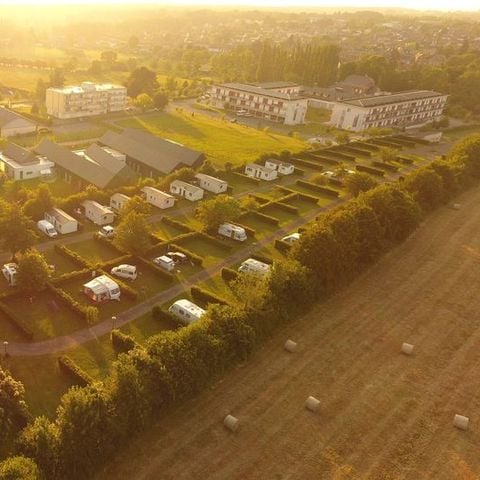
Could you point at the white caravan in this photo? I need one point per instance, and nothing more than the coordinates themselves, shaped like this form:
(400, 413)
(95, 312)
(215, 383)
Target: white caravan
(186, 311)
(255, 267)
(232, 231)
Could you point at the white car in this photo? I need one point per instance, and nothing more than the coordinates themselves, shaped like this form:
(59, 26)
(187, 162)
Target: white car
(125, 271)
(329, 174)
(107, 231)
(292, 238)
(164, 262)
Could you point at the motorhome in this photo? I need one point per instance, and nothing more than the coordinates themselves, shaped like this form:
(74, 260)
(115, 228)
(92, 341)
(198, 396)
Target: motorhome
(101, 289)
(47, 228)
(292, 238)
(125, 271)
(9, 271)
(107, 231)
(165, 262)
(186, 311)
(232, 231)
(254, 267)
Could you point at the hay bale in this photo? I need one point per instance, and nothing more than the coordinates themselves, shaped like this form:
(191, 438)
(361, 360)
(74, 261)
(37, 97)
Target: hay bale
(461, 422)
(290, 346)
(312, 404)
(231, 423)
(407, 348)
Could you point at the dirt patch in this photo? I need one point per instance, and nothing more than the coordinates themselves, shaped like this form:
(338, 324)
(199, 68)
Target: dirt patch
(383, 415)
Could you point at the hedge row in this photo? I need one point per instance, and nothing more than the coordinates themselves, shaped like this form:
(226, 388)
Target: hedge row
(371, 170)
(122, 342)
(318, 188)
(336, 182)
(78, 375)
(74, 257)
(286, 207)
(175, 223)
(338, 155)
(386, 143)
(228, 274)
(327, 160)
(371, 146)
(385, 166)
(215, 241)
(407, 142)
(259, 198)
(404, 160)
(262, 258)
(298, 171)
(162, 315)
(87, 312)
(106, 241)
(205, 297)
(126, 289)
(355, 150)
(251, 232)
(193, 257)
(70, 276)
(300, 195)
(282, 246)
(306, 163)
(109, 264)
(261, 216)
(17, 321)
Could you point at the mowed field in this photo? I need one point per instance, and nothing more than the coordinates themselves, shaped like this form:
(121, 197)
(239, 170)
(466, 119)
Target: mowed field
(383, 415)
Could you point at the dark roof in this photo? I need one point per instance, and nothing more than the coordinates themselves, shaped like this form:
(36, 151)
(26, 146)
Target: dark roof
(155, 152)
(360, 81)
(378, 100)
(7, 116)
(103, 158)
(90, 171)
(19, 154)
(275, 85)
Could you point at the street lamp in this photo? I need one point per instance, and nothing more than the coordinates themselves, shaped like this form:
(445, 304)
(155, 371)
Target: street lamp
(114, 319)
(5, 346)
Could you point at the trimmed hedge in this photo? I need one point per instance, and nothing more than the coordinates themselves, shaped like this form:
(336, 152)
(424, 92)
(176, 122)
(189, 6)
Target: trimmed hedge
(228, 274)
(159, 314)
(261, 216)
(282, 246)
(318, 188)
(307, 163)
(370, 146)
(386, 143)
(286, 207)
(215, 241)
(193, 257)
(262, 258)
(175, 223)
(117, 261)
(259, 198)
(106, 241)
(336, 182)
(371, 170)
(201, 295)
(248, 230)
(83, 311)
(126, 289)
(355, 150)
(74, 257)
(122, 342)
(155, 268)
(68, 366)
(328, 161)
(385, 166)
(70, 276)
(332, 151)
(22, 327)
(298, 171)
(404, 160)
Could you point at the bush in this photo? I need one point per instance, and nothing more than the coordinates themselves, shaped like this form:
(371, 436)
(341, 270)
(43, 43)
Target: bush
(78, 375)
(84, 311)
(122, 342)
(229, 274)
(74, 257)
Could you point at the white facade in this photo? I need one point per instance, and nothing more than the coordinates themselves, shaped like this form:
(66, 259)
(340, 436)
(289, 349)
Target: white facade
(85, 100)
(407, 109)
(268, 103)
(186, 190)
(118, 201)
(17, 171)
(98, 214)
(157, 198)
(211, 184)
(261, 172)
(17, 126)
(281, 167)
(62, 221)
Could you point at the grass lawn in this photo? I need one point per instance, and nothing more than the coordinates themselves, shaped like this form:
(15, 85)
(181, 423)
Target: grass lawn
(165, 231)
(240, 184)
(209, 251)
(94, 251)
(220, 140)
(8, 331)
(302, 205)
(62, 263)
(277, 212)
(261, 227)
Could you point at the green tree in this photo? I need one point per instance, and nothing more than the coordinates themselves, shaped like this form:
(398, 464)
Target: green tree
(387, 154)
(41, 202)
(19, 468)
(33, 271)
(57, 78)
(249, 203)
(17, 231)
(133, 234)
(426, 187)
(358, 182)
(219, 209)
(144, 102)
(141, 80)
(136, 204)
(160, 100)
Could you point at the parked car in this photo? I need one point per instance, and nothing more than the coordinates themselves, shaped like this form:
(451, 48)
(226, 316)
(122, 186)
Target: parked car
(9, 271)
(177, 257)
(125, 271)
(164, 262)
(292, 238)
(107, 231)
(47, 228)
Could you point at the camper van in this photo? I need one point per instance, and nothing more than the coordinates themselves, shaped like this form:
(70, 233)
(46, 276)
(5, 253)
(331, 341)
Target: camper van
(186, 311)
(101, 289)
(254, 267)
(292, 238)
(165, 262)
(107, 231)
(232, 231)
(125, 271)
(47, 228)
(9, 271)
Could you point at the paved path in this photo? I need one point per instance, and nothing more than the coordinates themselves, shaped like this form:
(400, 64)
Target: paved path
(60, 344)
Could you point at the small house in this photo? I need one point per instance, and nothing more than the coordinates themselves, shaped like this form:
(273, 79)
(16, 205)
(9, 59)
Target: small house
(118, 201)
(98, 214)
(186, 190)
(186, 311)
(62, 221)
(21, 164)
(283, 168)
(101, 289)
(211, 184)
(261, 172)
(157, 198)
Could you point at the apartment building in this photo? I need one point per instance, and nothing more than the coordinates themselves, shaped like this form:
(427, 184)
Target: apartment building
(279, 102)
(85, 100)
(401, 110)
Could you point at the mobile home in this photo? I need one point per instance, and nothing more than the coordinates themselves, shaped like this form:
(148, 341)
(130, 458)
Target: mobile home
(211, 184)
(157, 198)
(232, 231)
(283, 168)
(261, 172)
(62, 221)
(186, 311)
(101, 289)
(98, 214)
(118, 201)
(186, 190)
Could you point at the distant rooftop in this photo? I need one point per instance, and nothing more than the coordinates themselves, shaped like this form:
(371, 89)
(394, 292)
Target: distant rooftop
(379, 100)
(87, 87)
(275, 85)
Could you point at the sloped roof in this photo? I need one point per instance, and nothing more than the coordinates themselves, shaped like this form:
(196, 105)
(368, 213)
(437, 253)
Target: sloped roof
(378, 100)
(87, 169)
(155, 152)
(103, 158)
(7, 116)
(20, 155)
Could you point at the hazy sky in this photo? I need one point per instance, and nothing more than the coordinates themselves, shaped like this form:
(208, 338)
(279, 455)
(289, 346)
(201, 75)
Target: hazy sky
(448, 5)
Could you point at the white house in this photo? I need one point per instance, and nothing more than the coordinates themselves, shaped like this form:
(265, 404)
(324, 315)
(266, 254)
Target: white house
(186, 190)
(11, 123)
(211, 184)
(157, 198)
(62, 221)
(21, 164)
(281, 167)
(98, 214)
(118, 201)
(102, 289)
(261, 172)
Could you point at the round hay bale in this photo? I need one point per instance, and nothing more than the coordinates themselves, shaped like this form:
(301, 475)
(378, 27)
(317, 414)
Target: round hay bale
(312, 404)
(231, 423)
(290, 346)
(461, 422)
(407, 348)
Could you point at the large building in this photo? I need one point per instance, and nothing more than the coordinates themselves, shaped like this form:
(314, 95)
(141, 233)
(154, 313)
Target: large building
(279, 102)
(398, 110)
(85, 100)
(21, 164)
(12, 123)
